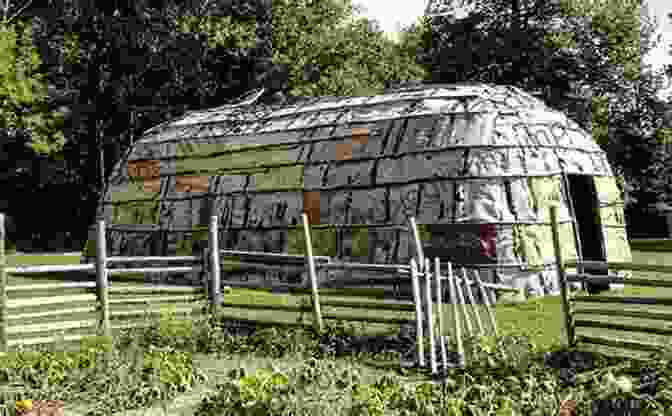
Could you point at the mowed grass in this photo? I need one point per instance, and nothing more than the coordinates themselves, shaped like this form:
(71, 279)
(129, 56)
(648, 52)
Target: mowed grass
(540, 319)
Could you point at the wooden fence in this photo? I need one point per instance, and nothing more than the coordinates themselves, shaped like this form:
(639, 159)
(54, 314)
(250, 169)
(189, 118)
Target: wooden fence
(651, 244)
(107, 295)
(75, 312)
(619, 313)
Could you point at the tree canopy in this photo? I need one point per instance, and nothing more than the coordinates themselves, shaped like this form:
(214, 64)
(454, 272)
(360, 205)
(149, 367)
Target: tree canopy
(581, 56)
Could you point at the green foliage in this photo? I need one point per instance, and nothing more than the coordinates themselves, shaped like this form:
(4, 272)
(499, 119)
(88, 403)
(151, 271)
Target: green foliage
(620, 22)
(23, 91)
(174, 368)
(664, 135)
(507, 375)
(353, 59)
(558, 40)
(220, 30)
(600, 112)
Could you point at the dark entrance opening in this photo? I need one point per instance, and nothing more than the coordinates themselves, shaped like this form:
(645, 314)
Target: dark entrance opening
(586, 210)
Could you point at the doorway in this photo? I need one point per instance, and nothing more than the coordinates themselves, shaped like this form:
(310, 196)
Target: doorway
(589, 225)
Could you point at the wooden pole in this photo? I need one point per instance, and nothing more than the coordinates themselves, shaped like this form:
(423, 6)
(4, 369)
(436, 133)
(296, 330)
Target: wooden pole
(207, 275)
(319, 325)
(215, 277)
(493, 322)
(569, 327)
(460, 295)
(418, 313)
(474, 307)
(101, 278)
(430, 316)
(418, 245)
(457, 325)
(439, 303)
(3, 287)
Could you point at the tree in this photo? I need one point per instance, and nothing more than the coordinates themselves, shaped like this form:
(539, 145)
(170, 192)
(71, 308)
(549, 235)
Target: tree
(580, 56)
(119, 68)
(353, 58)
(24, 111)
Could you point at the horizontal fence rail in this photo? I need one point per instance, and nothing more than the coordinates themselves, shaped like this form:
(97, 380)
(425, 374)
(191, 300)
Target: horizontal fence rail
(651, 244)
(176, 269)
(180, 259)
(598, 265)
(592, 312)
(51, 269)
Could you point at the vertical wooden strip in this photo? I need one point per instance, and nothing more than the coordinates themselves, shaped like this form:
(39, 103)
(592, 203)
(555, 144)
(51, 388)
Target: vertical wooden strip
(484, 294)
(474, 307)
(313, 277)
(3, 287)
(418, 313)
(215, 276)
(569, 327)
(430, 316)
(458, 288)
(101, 278)
(457, 325)
(439, 306)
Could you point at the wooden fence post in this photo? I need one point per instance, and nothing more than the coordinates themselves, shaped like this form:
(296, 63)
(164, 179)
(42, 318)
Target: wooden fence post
(313, 277)
(418, 245)
(484, 293)
(457, 324)
(469, 330)
(207, 274)
(474, 307)
(439, 306)
(430, 316)
(417, 298)
(101, 278)
(213, 241)
(3, 287)
(559, 264)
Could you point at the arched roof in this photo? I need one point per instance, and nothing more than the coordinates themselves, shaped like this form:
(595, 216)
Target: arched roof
(476, 115)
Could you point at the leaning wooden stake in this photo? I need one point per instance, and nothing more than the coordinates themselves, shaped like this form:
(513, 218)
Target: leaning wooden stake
(418, 245)
(213, 240)
(439, 305)
(430, 317)
(3, 287)
(101, 278)
(457, 325)
(319, 326)
(491, 315)
(569, 328)
(418, 313)
(460, 295)
(474, 307)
